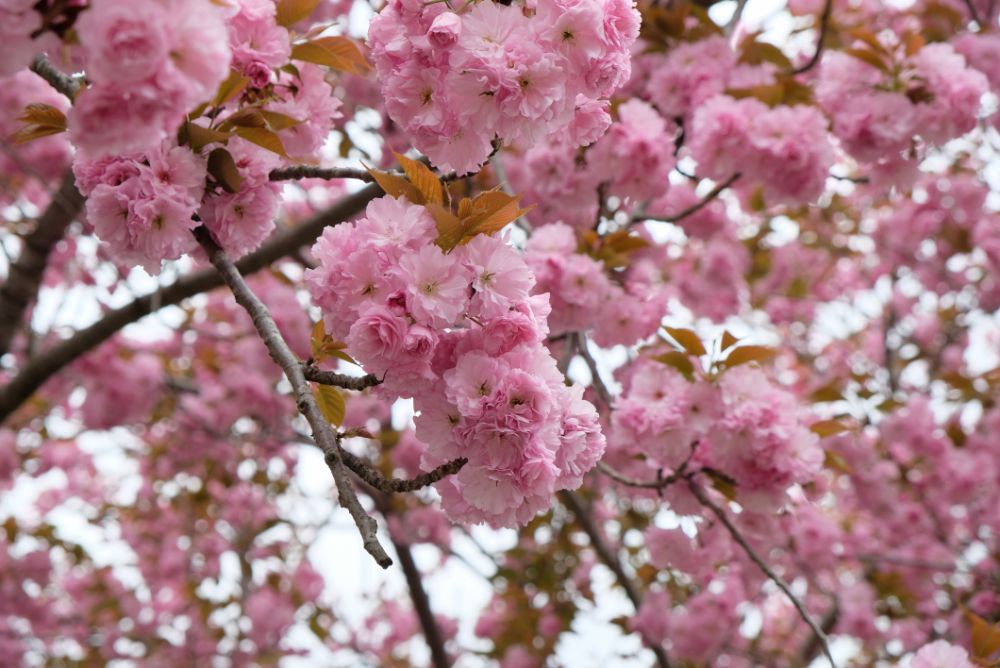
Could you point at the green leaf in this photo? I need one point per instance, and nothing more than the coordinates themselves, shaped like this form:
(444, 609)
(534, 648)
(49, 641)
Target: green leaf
(223, 168)
(745, 354)
(263, 138)
(687, 339)
(331, 403)
(290, 12)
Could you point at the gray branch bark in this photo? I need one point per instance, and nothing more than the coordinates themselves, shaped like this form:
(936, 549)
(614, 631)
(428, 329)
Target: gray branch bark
(283, 356)
(22, 284)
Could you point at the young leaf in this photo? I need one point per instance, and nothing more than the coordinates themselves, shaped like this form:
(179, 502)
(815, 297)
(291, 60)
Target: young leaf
(198, 136)
(234, 84)
(728, 341)
(679, 361)
(223, 168)
(422, 178)
(42, 120)
(688, 340)
(745, 354)
(396, 186)
(723, 483)
(278, 121)
(317, 339)
(449, 227)
(337, 52)
(290, 12)
(985, 636)
(244, 118)
(331, 403)
(491, 212)
(825, 428)
(263, 138)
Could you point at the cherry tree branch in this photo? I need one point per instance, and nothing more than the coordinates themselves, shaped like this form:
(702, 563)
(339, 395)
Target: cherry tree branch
(46, 364)
(25, 276)
(374, 478)
(604, 553)
(422, 604)
(696, 207)
(310, 172)
(824, 26)
(661, 482)
(415, 585)
(283, 356)
(66, 85)
(703, 498)
(342, 380)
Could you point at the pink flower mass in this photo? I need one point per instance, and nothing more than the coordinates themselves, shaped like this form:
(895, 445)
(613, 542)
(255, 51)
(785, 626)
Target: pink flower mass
(612, 332)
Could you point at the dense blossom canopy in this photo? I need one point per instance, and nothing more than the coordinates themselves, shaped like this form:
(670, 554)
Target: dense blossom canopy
(653, 333)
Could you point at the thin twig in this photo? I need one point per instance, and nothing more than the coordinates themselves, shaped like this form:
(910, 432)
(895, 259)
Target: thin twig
(824, 25)
(697, 206)
(296, 172)
(373, 477)
(342, 380)
(610, 560)
(49, 361)
(775, 578)
(283, 356)
(973, 13)
(600, 388)
(661, 482)
(66, 85)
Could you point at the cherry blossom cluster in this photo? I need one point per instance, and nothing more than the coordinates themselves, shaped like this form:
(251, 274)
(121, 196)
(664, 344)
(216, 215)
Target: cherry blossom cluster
(459, 333)
(149, 63)
(19, 22)
(784, 150)
(623, 308)
(142, 205)
(631, 161)
(457, 80)
(879, 113)
(742, 425)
